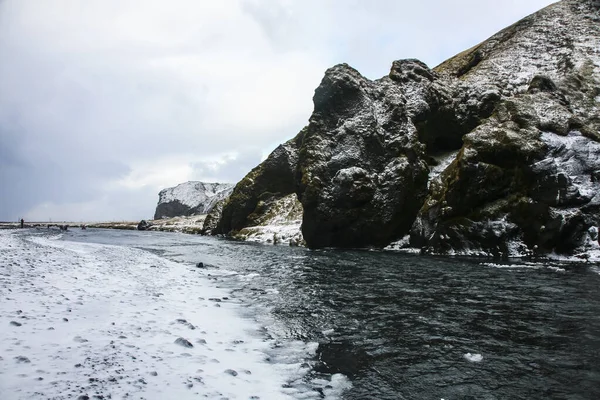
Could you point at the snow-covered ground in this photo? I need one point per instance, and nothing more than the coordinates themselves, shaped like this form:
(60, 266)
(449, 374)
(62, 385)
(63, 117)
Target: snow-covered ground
(184, 224)
(83, 321)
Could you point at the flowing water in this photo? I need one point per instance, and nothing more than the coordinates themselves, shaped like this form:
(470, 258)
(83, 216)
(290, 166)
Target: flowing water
(411, 327)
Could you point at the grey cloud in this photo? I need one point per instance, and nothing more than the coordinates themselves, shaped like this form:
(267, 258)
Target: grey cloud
(95, 95)
(232, 170)
(370, 35)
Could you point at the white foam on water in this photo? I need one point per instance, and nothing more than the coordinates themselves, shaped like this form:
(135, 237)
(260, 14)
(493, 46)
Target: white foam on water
(88, 319)
(525, 266)
(402, 246)
(473, 357)
(590, 256)
(513, 266)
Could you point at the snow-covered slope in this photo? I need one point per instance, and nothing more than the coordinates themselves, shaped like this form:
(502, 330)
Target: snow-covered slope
(553, 42)
(190, 198)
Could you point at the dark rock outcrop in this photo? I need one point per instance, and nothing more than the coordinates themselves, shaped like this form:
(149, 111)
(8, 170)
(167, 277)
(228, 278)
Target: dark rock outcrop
(212, 219)
(184, 342)
(143, 225)
(525, 180)
(495, 151)
(362, 172)
(273, 179)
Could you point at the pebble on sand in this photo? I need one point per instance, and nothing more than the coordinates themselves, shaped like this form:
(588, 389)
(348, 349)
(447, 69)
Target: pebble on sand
(183, 342)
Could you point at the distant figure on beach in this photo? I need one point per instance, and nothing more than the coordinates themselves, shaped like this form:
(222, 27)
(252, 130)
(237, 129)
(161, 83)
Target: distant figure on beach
(22, 223)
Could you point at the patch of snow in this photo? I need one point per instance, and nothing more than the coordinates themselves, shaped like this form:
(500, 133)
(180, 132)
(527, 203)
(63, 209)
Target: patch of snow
(275, 234)
(281, 224)
(121, 322)
(576, 157)
(185, 224)
(443, 161)
(537, 46)
(402, 246)
(517, 248)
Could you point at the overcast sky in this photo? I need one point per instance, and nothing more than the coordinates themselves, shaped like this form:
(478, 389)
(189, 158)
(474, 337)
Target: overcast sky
(105, 102)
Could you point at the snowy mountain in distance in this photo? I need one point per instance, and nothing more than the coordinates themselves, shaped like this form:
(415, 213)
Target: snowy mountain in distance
(190, 198)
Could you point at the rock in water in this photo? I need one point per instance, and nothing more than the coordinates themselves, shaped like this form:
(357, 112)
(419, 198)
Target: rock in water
(143, 225)
(190, 198)
(495, 151)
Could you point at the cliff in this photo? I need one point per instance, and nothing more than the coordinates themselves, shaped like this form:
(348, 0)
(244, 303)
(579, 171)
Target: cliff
(190, 198)
(494, 151)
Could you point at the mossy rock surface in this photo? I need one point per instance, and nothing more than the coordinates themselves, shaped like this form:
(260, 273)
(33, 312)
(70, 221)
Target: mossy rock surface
(273, 178)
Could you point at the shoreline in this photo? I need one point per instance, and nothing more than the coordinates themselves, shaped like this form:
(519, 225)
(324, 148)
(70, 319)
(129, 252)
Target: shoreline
(189, 224)
(85, 319)
(193, 225)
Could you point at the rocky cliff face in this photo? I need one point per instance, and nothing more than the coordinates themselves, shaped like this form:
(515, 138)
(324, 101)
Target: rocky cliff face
(270, 181)
(190, 198)
(526, 178)
(495, 151)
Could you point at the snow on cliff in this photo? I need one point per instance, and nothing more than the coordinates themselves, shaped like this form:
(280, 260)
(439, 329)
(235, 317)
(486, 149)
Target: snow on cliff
(190, 198)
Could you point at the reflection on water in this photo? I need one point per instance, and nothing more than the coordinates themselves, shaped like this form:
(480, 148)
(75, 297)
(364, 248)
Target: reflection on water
(409, 327)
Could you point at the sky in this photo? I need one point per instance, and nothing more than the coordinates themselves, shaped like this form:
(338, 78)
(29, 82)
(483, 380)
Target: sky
(103, 103)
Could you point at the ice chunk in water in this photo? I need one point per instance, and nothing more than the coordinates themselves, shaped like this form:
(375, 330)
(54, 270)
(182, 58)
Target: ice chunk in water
(473, 357)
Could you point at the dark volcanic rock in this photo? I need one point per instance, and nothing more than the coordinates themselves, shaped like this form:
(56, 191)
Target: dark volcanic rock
(362, 173)
(143, 225)
(272, 179)
(173, 208)
(527, 177)
(184, 342)
(515, 119)
(212, 218)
